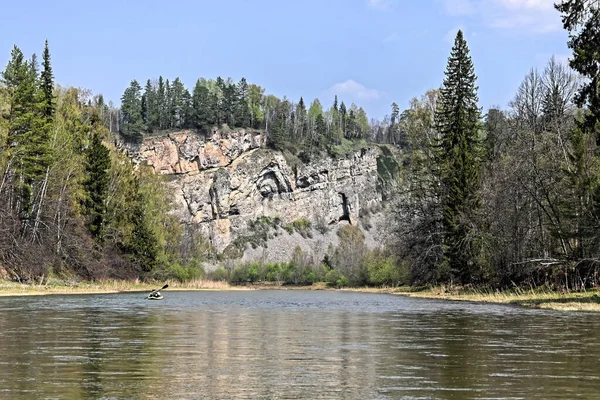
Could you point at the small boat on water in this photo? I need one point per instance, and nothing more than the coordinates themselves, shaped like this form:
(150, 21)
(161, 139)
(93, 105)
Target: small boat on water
(155, 294)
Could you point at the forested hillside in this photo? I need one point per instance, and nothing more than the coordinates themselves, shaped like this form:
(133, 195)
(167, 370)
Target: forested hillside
(500, 197)
(512, 198)
(70, 204)
(300, 128)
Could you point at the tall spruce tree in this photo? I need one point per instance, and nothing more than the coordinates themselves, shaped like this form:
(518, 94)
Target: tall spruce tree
(201, 107)
(143, 246)
(177, 104)
(97, 179)
(300, 119)
(161, 103)
(47, 85)
(131, 111)
(29, 153)
(457, 120)
(150, 107)
(242, 109)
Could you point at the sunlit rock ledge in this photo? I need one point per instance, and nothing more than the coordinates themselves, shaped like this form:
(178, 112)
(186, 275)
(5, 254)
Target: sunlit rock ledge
(221, 183)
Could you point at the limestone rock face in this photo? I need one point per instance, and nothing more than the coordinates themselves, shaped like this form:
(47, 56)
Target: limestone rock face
(187, 152)
(222, 183)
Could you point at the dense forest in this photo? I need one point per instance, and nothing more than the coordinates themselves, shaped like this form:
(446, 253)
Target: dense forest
(303, 130)
(509, 196)
(512, 198)
(70, 203)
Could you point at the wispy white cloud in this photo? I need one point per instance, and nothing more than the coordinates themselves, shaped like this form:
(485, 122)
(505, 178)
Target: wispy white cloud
(392, 37)
(384, 5)
(535, 5)
(459, 7)
(354, 91)
(535, 16)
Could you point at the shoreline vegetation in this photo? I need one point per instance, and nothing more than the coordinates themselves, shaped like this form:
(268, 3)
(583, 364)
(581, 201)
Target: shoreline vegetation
(533, 298)
(505, 199)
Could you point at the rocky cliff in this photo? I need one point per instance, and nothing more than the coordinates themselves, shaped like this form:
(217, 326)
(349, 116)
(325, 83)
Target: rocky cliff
(222, 183)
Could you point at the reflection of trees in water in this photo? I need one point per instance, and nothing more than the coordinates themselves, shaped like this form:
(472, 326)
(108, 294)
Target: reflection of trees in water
(457, 355)
(226, 351)
(122, 347)
(80, 353)
(262, 354)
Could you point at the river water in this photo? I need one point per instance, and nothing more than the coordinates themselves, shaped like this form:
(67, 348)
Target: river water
(292, 345)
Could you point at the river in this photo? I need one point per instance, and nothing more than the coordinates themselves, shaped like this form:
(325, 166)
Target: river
(291, 345)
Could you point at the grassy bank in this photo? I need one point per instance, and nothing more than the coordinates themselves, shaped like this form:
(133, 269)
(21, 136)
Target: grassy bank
(9, 288)
(537, 298)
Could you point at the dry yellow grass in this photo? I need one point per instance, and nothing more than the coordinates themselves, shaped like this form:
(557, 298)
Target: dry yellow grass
(587, 301)
(547, 299)
(9, 288)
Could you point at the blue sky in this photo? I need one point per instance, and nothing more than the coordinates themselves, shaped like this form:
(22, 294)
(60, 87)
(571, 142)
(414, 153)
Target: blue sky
(371, 52)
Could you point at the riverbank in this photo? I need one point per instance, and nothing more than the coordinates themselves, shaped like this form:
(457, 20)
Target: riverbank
(10, 288)
(535, 298)
(546, 299)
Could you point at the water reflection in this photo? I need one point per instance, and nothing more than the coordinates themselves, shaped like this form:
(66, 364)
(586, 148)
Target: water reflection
(291, 345)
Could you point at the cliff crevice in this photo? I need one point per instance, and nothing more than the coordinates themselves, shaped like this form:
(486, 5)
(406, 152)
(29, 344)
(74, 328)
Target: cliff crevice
(222, 183)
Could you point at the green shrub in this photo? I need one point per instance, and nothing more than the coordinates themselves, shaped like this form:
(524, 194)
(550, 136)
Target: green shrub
(347, 147)
(303, 226)
(253, 274)
(258, 235)
(385, 270)
(221, 274)
(348, 257)
(336, 279)
(272, 272)
(177, 272)
(295, 272)
(239, 274)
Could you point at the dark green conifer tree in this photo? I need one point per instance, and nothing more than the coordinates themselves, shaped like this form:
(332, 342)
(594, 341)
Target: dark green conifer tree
(29, 150)
(47, 85)
(219, 101)
(581, 18)
(242, 114)
(457, 120)
(187, 110)
(144, 246)
(201, 105)
(131, 111)
(161, 103)
(343, 116)
(321, 132)
(278, 131)
(150, 107)
(229, 103)
(177, 104)
(334, 127)
(168, 111)
(97, 178)
(300, 119)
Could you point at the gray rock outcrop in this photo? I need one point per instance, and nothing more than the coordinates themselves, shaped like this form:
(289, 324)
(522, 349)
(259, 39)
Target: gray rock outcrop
(221, 183)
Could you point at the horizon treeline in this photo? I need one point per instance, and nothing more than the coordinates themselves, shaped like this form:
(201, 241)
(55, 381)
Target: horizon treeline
(300, 128)
(70, 202)
(512, 198)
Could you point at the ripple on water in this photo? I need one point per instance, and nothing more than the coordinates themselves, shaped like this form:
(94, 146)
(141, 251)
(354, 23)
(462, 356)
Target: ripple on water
(291, 344)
